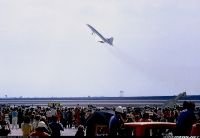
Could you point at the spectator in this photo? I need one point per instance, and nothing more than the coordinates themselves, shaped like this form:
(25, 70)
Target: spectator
(59, 115)
(56, 126)
(36, 121)
(4, 127)
(26, 126)
(64, 118)
(40, 130)
(116, 122)
(80, 131)
(145, 118)
(77, 117)
(48, 115)
(14, 118)
(137, 118)
(69, 118)
(82, 117)
(6, 116)
(185, 120)
(20, 117)
(48, 130)
(53, 111)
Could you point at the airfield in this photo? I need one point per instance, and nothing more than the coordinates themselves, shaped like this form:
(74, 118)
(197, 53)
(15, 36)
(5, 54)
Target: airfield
(100, 101)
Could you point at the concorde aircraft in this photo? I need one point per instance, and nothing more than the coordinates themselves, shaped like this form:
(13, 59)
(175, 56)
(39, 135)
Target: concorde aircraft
(104, 40)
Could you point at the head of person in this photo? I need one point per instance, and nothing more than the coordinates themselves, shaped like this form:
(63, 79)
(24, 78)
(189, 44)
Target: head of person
(43, 118)
(145, 116)
(119, 110)
(15, 109)
(80, 131)
(137, 117)
(185, 104)
(41, 126)
(2, 118)
(54, 118)
(191, 106)
(81, 128)
(37, 117)
(27, 119)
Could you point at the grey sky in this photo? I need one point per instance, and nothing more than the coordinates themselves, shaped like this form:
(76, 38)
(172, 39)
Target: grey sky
(46, 49)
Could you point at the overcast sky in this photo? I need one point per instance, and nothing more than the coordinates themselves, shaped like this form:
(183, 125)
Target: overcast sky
(46, 49)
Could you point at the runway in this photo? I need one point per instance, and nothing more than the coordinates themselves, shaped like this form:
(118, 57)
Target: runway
(98, 101)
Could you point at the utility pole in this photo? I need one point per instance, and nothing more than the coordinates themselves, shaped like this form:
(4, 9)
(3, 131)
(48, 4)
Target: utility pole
(6, 96)
(121, 93)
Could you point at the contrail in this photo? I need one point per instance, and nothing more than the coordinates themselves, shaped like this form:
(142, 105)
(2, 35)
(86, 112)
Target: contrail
(126, 59)
(143, 67)
(148, 69)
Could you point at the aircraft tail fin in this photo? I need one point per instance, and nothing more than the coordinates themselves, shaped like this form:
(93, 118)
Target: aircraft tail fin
(110, 40)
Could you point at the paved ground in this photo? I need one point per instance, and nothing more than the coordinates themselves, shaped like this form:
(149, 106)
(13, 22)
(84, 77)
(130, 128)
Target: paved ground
(66, 132)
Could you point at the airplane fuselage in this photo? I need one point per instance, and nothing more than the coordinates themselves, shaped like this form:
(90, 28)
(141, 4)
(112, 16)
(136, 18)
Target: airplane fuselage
(103, 38)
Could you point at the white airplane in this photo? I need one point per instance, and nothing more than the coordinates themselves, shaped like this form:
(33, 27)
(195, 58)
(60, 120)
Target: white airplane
(104, 40)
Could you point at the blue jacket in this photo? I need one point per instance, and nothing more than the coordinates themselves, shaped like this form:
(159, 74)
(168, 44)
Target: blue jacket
(115, 125)
(184, 122)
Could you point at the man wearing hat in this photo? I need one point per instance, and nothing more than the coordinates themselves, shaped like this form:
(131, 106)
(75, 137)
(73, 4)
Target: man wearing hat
(116, 122)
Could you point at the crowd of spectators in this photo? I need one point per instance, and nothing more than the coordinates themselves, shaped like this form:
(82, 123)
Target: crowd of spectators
(34, 120)
(49, 121)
